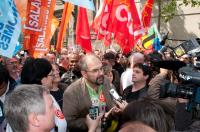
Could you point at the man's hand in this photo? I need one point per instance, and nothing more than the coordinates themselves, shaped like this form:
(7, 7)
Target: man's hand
(120, 106)
(163, 72)
(180, 100)
(93, 124)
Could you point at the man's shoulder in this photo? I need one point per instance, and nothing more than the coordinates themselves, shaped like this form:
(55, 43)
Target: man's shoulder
(75, 86)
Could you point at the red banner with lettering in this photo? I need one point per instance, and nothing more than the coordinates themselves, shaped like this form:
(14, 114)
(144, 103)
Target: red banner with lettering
(126, 24)
(38, 26)
(119, 17)
(100, 23)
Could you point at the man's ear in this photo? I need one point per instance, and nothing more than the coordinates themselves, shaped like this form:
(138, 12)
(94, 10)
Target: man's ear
(83, 73)
(33, 120)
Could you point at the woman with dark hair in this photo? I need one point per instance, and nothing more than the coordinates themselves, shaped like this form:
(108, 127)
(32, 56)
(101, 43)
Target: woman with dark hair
(55, 90)
(39, 71)
(150, 112)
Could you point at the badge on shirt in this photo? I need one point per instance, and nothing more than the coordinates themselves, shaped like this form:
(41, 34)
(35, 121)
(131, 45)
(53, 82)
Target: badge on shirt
(59, 114)
(95, 101)
(102, 98)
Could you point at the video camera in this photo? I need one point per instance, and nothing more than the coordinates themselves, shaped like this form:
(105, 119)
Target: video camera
(189, 74)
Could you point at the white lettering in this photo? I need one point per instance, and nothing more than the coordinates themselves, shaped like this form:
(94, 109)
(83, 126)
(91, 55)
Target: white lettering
(127, 18)
(33, 23)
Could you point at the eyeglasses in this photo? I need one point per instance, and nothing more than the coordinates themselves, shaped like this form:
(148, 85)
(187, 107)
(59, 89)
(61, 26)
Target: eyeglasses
(96, 70)
(12, 63)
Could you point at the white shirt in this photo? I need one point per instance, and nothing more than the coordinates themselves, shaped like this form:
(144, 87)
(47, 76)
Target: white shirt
(126, 78)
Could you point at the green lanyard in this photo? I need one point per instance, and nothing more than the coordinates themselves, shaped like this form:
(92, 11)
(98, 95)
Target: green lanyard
(93, 93)
(97, 99)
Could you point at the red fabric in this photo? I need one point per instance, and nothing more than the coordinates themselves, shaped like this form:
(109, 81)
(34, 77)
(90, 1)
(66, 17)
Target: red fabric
(119, 17)
(83, 31)
(100, 23)
(125, 24)
(36, 36)
(146, 13)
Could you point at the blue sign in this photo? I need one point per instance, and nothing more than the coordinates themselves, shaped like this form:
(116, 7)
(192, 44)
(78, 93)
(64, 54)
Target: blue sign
(10, 28)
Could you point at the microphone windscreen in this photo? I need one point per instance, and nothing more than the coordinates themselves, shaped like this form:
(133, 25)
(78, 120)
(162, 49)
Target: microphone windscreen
(170, 64)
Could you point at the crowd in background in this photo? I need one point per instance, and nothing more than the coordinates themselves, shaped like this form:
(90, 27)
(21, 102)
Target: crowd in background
(74, 83)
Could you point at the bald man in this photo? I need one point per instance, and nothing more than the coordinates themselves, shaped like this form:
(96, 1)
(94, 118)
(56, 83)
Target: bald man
(90, 92)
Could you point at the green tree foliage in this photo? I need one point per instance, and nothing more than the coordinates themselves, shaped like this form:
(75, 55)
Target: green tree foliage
(169, 7)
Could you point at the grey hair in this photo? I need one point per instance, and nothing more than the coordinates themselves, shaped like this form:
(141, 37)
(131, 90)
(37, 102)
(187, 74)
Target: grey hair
(84, 60)
(21, 102)
(135, 54)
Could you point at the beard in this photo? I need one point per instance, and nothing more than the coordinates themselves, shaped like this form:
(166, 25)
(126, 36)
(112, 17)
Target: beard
(99, 80)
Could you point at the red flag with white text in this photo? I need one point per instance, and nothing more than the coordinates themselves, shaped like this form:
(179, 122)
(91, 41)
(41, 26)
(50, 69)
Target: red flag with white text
(100, 23)
(38, 26)
(126, 24)
(120, 18)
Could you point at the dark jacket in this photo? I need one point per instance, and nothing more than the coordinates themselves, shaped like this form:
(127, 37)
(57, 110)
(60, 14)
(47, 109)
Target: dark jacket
(184, 120)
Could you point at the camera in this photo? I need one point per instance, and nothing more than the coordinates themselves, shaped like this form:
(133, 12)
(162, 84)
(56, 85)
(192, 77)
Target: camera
(189, 75)
(189, 88)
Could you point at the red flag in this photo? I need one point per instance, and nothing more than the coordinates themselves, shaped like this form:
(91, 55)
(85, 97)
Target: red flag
(119, 17)
(146, 13)
(83, 30)
(63, 26)
(126, 24)
(100, 23)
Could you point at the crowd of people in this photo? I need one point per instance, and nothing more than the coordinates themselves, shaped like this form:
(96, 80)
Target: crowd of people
(70, 92)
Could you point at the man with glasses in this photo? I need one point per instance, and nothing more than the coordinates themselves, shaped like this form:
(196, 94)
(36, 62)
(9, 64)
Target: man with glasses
(88, 94)
(14, 67)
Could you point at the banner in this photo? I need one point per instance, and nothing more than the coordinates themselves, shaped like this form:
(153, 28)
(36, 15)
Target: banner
(33, 24)
(120, 18)
(126, 24)
(101, 22)
(146, 13)
(10, 27)
(150, 41)
(83, 30)
(68, 8)
(88, 4)
(38, 26)
(54, 25)
(22, 8)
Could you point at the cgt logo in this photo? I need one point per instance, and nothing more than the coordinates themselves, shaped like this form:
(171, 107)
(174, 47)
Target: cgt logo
(124, 15)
